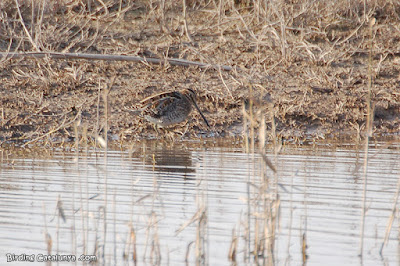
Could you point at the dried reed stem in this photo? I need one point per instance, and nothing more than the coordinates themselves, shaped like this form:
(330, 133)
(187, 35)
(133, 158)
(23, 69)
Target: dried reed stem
(233, 247)
(391, 218)
(185, 22)
(106, 115)
(24, 27)
(367, 136)
(81, 197)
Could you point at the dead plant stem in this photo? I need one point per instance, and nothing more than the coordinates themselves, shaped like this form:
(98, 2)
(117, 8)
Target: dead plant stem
(21, 20)
(391, 218)
(367, 136)
(185, 22)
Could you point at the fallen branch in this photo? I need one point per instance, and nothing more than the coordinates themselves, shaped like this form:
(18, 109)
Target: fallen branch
(172, 61)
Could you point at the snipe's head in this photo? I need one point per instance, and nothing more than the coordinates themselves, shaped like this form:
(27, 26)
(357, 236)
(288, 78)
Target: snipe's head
(190, 94)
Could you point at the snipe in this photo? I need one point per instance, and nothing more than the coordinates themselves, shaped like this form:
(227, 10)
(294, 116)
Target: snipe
(169, 108)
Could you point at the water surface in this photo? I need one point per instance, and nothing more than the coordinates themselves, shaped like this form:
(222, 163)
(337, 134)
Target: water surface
(163, 203)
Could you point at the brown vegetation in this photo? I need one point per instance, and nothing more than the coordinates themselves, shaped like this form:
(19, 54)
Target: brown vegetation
(302, 63)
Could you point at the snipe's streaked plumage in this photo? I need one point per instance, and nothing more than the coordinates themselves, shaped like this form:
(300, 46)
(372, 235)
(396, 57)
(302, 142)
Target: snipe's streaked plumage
(169, 108)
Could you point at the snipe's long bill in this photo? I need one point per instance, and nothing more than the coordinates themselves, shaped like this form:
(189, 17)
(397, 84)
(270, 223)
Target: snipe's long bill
(170, 108)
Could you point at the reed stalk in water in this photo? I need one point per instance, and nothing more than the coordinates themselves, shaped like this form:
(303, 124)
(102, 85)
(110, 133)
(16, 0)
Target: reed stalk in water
(368, 129)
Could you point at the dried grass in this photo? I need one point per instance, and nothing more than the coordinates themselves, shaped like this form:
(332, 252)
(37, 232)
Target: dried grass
(309, 57)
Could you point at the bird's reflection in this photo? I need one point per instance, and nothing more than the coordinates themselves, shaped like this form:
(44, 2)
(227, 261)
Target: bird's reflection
(169, 160)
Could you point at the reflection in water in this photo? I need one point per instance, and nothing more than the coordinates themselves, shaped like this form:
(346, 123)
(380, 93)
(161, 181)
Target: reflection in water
(168, 203)
(171, 161)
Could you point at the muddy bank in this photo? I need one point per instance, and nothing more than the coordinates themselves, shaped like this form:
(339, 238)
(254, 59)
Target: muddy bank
(302, 65)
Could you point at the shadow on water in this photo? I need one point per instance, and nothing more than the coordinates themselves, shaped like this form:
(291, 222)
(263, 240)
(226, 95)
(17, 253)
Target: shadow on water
(178, 204)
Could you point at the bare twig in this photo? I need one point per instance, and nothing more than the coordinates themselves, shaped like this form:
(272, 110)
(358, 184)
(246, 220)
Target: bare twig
(108, 57)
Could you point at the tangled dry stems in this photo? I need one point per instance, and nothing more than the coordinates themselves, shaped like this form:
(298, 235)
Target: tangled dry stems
(306, 62)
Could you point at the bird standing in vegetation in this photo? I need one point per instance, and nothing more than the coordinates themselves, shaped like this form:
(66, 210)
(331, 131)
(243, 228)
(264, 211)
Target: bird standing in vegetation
(169, 108)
